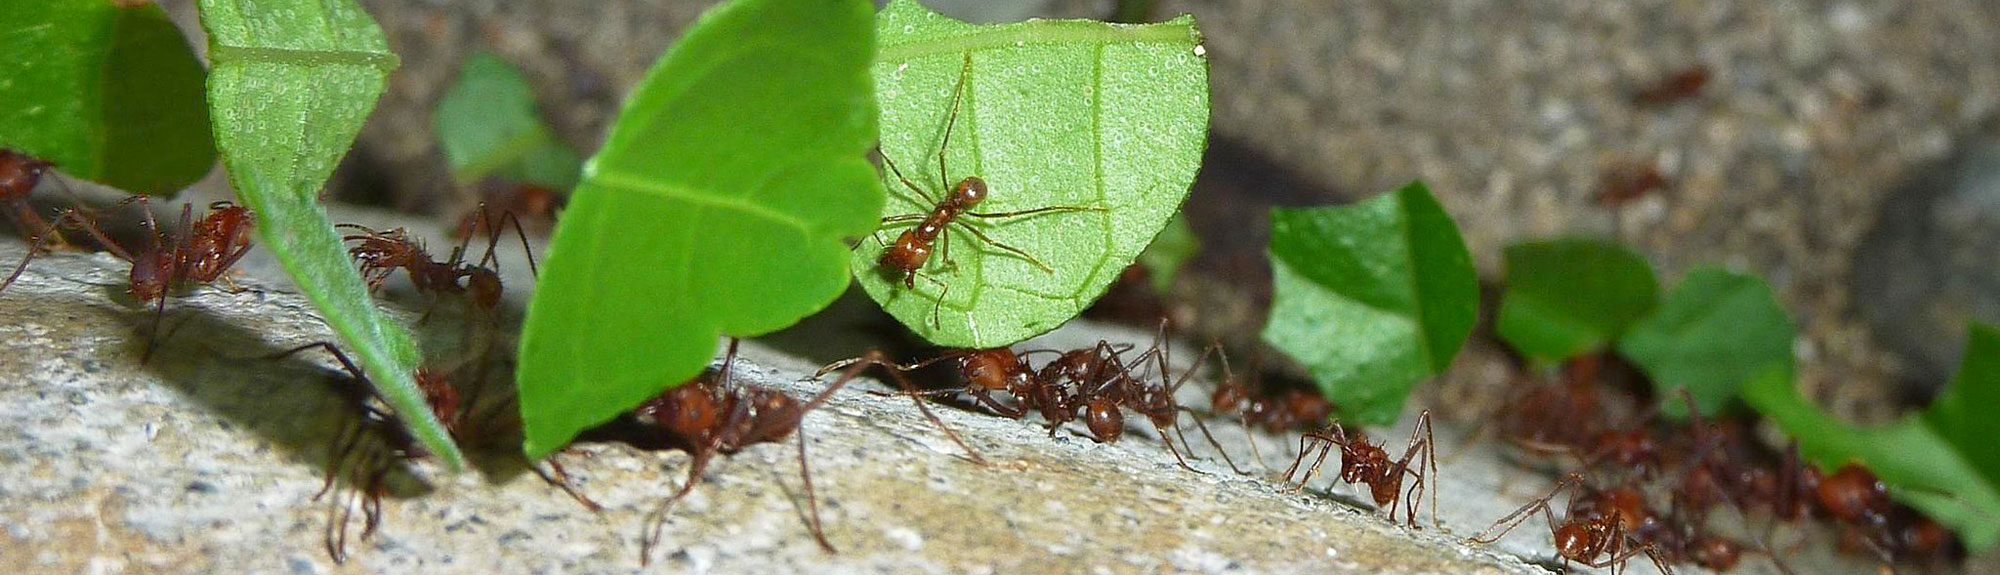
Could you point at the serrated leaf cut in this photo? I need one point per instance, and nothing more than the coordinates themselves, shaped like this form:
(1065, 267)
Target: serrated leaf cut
(108, 93)
(1053, 113)
(1570, 296)
(1371, 298)
(719, 205)
(290, 85)
(1715, 330)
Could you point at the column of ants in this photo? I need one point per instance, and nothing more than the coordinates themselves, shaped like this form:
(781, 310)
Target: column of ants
(1638, 484)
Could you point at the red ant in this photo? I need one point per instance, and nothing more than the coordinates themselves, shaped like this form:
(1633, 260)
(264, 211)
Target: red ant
(19, 174)
(1090, 383)
(1624, 182)
(1682, 85)
(912, 249)
(531, 202)
(204, 252)
(1364, 462)
(1289, 409)
(1588, 532)
(380, 253)
(714, 415)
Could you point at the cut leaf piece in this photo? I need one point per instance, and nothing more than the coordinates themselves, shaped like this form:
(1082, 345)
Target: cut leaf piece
(1569, 296)
(487, 126)
(719, 205)
(1715, 330)
(1943, 462)
(1163, 259)
(1053, 113)
(291, 83)
(1371, 298)
(107, 93)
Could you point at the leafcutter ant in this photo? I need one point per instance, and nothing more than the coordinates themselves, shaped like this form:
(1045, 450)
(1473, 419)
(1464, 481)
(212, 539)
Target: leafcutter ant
(911, 251)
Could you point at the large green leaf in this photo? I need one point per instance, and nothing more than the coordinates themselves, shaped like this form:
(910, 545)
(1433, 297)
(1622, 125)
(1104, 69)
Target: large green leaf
(290, 84)
(1711, 334)
(1371, 298)
(718, 205)
(107, 93)
(1569, 296)
(1053, 113)
(487, 125)
(1943, 462)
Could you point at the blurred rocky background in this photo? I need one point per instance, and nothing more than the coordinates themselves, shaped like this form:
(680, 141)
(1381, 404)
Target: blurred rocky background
(1845, 150)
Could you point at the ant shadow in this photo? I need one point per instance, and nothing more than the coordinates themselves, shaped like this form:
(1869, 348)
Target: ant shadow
(301, 406)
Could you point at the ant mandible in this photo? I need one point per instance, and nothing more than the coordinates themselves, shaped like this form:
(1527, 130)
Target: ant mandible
(912, 249)
(1365, 462)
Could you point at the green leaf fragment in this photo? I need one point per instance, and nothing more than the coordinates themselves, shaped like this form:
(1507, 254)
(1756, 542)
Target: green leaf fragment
(1566, 297)
(487, 126)
(1170, 250)
(719, 204)
(291, 83)
(1054, 113)
(1943, 462)
(1711, 334)
(1371, 298)
(108, 94)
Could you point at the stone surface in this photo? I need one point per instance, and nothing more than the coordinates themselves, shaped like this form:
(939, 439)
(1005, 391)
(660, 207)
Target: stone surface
(207, 460)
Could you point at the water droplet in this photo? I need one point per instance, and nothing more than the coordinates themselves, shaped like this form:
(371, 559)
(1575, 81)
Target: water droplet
(1200, 50)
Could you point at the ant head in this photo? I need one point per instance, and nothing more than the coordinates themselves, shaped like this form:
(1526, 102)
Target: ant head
(484, 287)
(1852, 493)
(970, 192)
(905, 257)
(19, 172)
(1388, 488)
(149, 276)
(439, 393)
(989, 368)
(689, 410)
(1575, 541)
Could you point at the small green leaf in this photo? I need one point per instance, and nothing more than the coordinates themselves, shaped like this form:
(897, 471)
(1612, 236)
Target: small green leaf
(108, 94)
(719, 205)
(487, 125)
(1371, 298)
(1944, 462)
(291, 83)
(1570, 296)
(1175, 245)
(1715, 330)
(1054, 113)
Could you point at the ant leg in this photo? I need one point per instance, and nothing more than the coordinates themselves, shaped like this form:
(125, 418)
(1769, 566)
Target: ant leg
(1211, 440)
(1514, 519)
(1007, 248)
(937, 305)
(812, 501)
(39, 242)
(656, 522)
(875, 358)
(922, 197)
(957, 94)
(1037, 211)
(559, 477)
